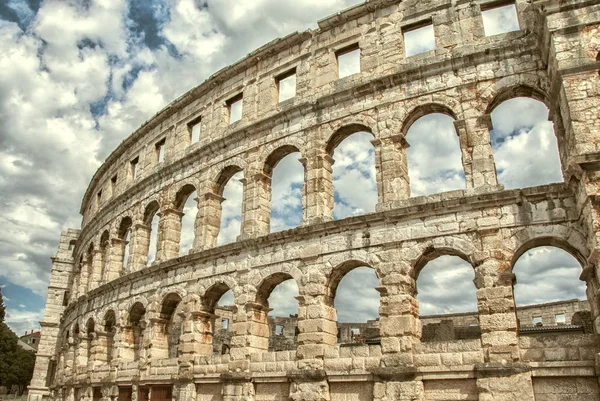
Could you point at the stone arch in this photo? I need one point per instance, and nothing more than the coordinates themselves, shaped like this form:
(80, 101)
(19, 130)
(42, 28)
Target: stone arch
(268, 284)
(134, 331)
(213, 294)
(125, 223)
(337, 274)
(150, 210)
(563, 237)
(276, 156)
(168, 336)
(432, 250)
(289, 269)
(520, 90)
(343, 132)
(182, 194)
(223, 177)
(423, 110)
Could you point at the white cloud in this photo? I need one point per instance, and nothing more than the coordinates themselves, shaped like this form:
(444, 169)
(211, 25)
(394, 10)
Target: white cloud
(354, 168)
(524, 144)
(286, 193)
(190, 210)
(419, 40)
(22, 320)
(500, 20)
(445, 285)
(547, 274)
(231, 215)
(282, 299)
(358, 284)
(434, 156)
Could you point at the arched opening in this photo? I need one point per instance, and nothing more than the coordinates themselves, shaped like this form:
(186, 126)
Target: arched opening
(231, 189)
(277, 309)
(357, 322)
(286, 179)
(90, 331)
(187, 202)
(524, 143)
(447, 297)
(79, 356)
(220, 303)
(134, 333)
(92, 281)
(125, 237)
(434, 156)
(353, 167)
(170, 328)
(548, 292)
(104, 255)
(151, 221)
(110, 322)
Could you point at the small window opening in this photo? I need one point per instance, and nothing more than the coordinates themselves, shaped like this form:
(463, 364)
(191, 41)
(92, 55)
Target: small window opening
(33, 340)
(286, 86)
(134, 167)
(355, 331)
(348, 60)
(225, 349)
(419, 38)
(72, 245)
(598, 59)
(278, 330)
(537, 320)
(560, 318)
(234, 105)
(500, 19)
(113, 184)
(194, 130)
(99, 197)
(160, 151)
(225, 324)
(65, 298)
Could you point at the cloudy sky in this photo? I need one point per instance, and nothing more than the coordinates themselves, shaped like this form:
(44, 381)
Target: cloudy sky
(77, 77)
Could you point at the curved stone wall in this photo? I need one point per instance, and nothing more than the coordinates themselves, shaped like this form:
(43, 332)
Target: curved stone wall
(147, 330)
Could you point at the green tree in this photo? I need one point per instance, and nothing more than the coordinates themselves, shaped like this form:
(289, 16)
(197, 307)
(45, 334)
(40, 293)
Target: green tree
(16, 364)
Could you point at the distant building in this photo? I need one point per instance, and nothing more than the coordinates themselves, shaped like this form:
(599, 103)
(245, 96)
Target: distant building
(30, 341)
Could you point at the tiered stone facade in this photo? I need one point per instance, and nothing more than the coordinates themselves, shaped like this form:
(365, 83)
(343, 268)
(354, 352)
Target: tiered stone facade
(145, 332)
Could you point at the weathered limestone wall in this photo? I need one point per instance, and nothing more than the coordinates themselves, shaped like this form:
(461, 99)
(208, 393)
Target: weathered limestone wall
(150, 329)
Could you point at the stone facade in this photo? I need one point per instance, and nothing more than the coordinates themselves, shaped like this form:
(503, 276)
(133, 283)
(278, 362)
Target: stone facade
(145, 332)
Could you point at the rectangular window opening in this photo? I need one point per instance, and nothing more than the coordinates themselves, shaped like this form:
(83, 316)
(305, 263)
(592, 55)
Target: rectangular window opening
(418, 38)
(348, 61)
(160, 151)
(537, 320)
(355, 331)
(278, 330)
(225, 324)
(500, 18)
(134, 168)
(99, 197)
(234, 105)
(560, 318)
(286, 86)
(194, 129)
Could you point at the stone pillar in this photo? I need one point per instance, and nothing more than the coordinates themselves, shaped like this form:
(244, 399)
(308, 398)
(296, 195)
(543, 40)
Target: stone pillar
(250, 331)
(317, 328)
(95, 278)
(184, 390)
(114, 264)
(140, 247)
(477, 155)
(197, 335)
(256, 208)
(81, 347)
(124, 344)
(157, 347)
(208, 222)
(317, 196)
(92, 350)
(399, 324)
(169, 235)
(391, 164)
(397, 384)
(238, 387)
(497, 312)
(101, 348)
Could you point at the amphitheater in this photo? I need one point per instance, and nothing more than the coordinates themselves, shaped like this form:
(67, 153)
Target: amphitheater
(145, 332)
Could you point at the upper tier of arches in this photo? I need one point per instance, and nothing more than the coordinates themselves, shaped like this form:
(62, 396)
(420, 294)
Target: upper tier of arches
(255, 79)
